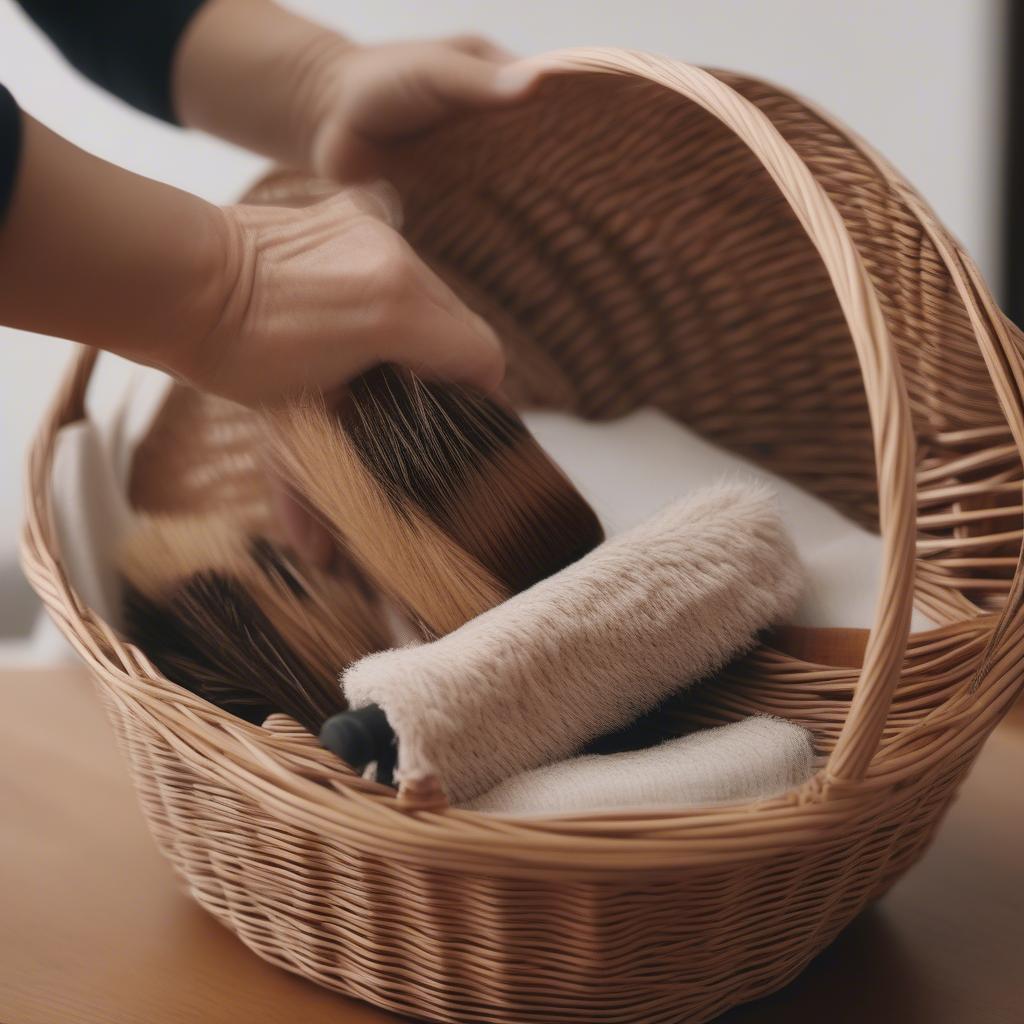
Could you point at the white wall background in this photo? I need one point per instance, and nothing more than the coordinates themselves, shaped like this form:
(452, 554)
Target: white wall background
(919, 78)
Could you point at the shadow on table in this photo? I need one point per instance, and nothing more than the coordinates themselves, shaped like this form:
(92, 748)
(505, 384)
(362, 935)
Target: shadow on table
(867, 974)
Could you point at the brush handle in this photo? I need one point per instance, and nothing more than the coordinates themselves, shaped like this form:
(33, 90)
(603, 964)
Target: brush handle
(362, 737)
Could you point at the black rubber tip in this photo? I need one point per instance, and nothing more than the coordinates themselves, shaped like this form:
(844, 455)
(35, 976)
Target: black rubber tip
(359, 737)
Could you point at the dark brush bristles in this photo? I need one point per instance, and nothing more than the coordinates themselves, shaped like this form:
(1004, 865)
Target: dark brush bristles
(212, 638)
(441, 494)
(233, 619)
(472, 466)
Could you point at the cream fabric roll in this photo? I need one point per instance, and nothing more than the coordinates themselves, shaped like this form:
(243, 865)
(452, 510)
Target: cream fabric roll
(753, 759)
(586, 651)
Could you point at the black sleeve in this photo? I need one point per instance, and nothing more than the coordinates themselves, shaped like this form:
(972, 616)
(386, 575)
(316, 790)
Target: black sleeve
(10, 145)
(126, 46)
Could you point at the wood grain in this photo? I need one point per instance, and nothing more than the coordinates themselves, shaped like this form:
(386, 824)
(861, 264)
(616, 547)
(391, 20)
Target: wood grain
(94, 930)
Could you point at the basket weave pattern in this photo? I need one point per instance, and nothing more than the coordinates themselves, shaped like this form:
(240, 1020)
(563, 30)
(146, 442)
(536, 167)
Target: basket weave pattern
(643, 233)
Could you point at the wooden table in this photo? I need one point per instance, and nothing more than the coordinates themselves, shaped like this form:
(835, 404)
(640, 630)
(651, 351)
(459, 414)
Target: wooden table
(93, 929)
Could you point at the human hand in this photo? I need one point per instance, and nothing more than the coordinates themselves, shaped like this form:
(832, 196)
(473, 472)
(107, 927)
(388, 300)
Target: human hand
(312, 297)
(255, 303)
(333, 108)
(316, 295)
(266, 78)
(368, 98)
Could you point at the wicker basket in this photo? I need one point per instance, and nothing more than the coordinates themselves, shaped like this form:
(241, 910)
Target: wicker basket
(643, 233)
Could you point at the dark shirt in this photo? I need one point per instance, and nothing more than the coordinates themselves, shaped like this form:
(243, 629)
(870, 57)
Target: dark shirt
(126, 46)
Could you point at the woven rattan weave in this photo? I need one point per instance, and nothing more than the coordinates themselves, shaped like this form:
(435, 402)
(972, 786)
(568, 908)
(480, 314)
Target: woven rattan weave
(642, 233)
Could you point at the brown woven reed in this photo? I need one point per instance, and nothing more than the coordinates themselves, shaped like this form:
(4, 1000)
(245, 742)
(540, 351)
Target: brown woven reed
(643, 233)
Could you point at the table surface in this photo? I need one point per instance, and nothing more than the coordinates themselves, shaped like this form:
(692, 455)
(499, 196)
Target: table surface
(94, 929)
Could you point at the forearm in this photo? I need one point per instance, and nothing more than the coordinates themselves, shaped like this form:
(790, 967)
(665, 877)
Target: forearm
(253, 73)
(94, 253)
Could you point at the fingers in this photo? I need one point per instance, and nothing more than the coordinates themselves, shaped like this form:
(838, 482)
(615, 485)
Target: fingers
(463, 349)
(515, 81)
(478, 46)
(450, 342)
(393, 93)
(462, 353)
(459, 80)
(350, 292)
(435, 333)
(419, 321)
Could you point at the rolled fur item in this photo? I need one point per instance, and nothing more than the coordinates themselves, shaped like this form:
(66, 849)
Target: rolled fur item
(586, 651)
(754, 759)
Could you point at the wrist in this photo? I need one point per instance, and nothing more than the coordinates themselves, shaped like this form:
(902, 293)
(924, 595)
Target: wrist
(233, 47)
(97, 254)
(223, 263)
(312, 79)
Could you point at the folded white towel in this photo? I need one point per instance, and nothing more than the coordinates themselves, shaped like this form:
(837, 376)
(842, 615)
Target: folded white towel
(752, 759)
(589, 649)
(91, 514)
(91, 467)
(628, 468)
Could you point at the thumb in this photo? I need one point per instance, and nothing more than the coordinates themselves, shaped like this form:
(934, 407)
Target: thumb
(440, 337)
(463, 80)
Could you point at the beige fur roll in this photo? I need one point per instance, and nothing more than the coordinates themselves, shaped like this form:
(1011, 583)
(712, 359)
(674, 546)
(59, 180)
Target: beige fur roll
(754, 759)
(588, 650)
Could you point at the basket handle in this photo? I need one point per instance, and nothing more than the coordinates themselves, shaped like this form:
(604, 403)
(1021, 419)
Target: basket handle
(39, 531)
(886, 396)
(887, 401)
(40, 558)
(1002, 347)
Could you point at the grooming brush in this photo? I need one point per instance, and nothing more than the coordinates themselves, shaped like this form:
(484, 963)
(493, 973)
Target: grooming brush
(237, 620)
(440, 494)
(580, 654)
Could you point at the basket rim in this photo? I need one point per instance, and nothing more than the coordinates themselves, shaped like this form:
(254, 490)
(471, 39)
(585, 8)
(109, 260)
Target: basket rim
(271, 768)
